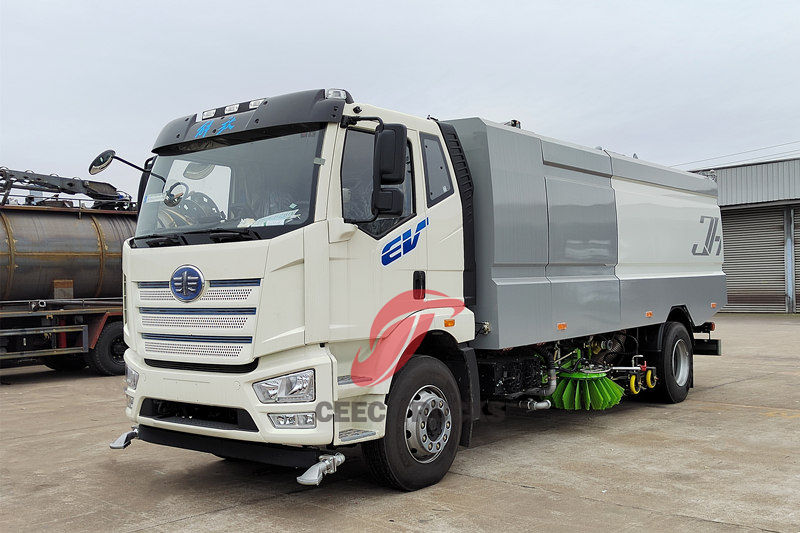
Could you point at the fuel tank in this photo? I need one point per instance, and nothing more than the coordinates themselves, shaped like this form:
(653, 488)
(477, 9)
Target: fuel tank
(39, 245)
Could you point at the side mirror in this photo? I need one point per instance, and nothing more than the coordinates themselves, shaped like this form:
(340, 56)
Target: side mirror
(390, 169)
(390, 151)
(148, 166)
(101, 162)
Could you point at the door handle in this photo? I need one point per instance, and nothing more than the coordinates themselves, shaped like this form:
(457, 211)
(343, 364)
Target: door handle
(419, 285)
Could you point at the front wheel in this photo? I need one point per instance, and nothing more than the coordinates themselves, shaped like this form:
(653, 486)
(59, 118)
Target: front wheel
(107, 358)
(423, 425)
(674, 364)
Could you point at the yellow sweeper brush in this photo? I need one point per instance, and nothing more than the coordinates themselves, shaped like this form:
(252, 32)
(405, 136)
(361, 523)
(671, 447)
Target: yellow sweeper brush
(581, 390)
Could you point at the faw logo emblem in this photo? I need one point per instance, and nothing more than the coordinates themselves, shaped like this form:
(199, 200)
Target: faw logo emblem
(402, 244)
(712, 237)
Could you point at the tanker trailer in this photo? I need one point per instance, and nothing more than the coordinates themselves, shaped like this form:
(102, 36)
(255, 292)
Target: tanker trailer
(61, 272)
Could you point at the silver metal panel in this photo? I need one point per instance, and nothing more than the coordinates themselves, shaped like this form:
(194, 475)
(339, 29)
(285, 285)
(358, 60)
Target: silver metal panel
(754, 259)
(567, 155)
(582, 252)
(582, 218)
(762, 182)
(658, 295)
(546, 248)
(510, 207)
(636, 169)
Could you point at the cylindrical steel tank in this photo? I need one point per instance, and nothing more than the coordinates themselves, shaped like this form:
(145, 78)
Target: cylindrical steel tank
(39, 245)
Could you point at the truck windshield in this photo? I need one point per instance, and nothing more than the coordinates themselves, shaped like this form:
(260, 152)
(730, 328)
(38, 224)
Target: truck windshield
(258, 188)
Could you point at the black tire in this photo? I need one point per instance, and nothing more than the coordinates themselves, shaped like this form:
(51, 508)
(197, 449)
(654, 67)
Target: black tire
(106, 358)
(390, 459)
(65, 363)
(674, 370)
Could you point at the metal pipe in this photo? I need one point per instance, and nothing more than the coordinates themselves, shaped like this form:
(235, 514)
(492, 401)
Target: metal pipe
(533, 405)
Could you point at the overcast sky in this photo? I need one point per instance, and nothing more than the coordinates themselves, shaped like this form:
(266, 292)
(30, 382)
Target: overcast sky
(672, 81)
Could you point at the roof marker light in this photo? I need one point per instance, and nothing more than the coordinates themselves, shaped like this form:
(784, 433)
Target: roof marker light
(340, 94)
(231, 108)
(208, 113)
(255, 103)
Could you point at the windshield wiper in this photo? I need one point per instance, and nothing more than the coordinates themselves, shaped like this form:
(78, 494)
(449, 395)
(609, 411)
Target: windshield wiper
(155, 240)
(228, 234)
(197, 237)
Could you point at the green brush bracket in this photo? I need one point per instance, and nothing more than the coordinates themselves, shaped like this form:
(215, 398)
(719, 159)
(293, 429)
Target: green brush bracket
(577, 390)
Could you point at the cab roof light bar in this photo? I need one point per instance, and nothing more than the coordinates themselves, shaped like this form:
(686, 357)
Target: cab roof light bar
(241, 107)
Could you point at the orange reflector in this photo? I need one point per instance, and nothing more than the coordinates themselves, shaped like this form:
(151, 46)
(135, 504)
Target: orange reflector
(648, 314)
(713, 305)
(713, 326)
(561, 326)
(449, 322)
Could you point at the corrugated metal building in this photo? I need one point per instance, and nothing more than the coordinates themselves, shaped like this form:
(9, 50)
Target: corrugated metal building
(760, 205)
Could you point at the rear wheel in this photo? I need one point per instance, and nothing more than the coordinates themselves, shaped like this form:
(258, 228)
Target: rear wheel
(107, 358)
(65, 363)
(423, 425)
(674, 364)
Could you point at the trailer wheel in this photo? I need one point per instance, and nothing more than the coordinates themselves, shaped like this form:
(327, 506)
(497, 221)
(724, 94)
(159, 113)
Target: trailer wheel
(674, 364)
(423, 424)
(107, 356)
(65, 363)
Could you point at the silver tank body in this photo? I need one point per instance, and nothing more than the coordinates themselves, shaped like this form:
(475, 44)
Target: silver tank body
(39, 245)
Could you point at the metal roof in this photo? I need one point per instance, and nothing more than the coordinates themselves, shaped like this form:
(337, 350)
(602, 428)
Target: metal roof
(769, 181)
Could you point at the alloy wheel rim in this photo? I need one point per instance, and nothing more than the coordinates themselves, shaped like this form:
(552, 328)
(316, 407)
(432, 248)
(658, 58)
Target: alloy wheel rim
(428, 424)
(680, 362)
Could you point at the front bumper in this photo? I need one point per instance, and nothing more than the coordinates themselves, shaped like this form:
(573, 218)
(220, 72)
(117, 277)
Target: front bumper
(236, 391)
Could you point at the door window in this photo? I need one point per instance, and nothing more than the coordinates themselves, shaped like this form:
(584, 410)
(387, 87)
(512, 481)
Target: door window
(437, 176)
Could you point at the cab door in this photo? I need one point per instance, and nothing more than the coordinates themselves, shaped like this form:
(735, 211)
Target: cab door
(445, 239)
(370, 262)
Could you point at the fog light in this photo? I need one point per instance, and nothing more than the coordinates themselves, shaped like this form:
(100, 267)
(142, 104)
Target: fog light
(131, 378)
(295, 387)
(293, 420)
(129, 401)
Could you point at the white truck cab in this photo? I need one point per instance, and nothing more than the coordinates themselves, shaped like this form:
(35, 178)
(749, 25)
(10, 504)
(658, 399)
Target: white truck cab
(309, 273)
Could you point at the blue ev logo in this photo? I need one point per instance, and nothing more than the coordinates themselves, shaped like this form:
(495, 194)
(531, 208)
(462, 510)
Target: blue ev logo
(402, 244)
(186, 283)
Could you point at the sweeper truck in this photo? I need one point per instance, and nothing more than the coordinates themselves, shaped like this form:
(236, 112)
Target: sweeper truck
(309, 273)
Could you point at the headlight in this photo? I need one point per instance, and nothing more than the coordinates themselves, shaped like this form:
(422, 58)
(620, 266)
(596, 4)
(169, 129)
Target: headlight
(295, 387)
(131, 378)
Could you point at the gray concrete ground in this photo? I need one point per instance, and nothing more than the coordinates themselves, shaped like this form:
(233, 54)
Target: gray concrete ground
(726, 459)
